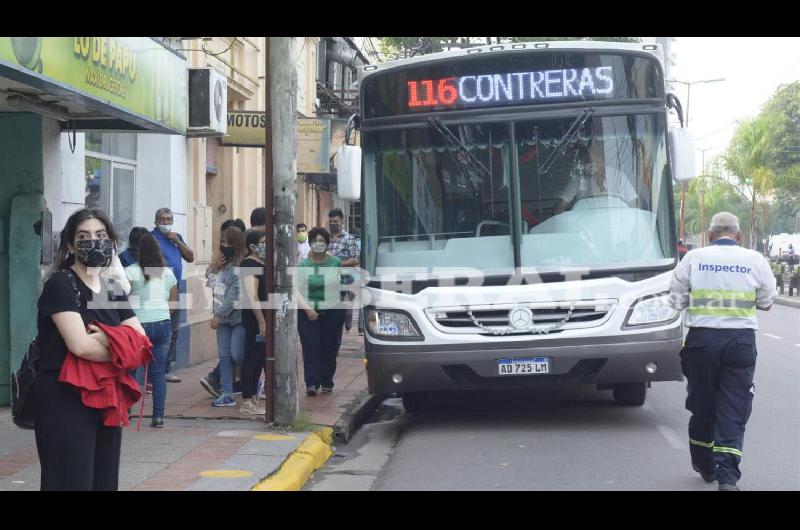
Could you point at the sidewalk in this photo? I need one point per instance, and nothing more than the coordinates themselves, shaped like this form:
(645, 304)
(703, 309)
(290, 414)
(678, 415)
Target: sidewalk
(790, 301)
(203, 448)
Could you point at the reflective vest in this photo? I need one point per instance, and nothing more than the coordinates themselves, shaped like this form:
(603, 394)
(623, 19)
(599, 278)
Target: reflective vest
(721, 285)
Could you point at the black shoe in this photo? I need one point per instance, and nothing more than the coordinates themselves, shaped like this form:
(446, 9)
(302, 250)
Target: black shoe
(311, 391)
(157, 423)
(211, 386)
(728, 487)
(708, 477)
(327, 389)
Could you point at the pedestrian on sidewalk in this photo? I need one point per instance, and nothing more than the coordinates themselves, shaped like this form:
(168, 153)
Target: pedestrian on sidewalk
(722, 285)
(343, 246)
(153, 287)
(174, 250)
(76, 450)
(251, 271)
(211, 382)
(227, 320)
(302, 242)
(321, 314)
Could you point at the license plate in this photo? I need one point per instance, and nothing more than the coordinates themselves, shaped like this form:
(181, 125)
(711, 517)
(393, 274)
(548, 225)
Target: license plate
(535, 366)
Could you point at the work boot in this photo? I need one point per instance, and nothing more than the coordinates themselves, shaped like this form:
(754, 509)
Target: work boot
(708, 477)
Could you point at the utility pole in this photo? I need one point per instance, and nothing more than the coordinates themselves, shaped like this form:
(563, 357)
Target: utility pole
(281, 109)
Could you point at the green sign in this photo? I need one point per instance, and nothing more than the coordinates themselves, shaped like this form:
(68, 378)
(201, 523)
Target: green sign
(134, 74)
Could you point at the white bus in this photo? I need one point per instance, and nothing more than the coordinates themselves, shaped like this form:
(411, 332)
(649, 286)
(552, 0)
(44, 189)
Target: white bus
(518, 219)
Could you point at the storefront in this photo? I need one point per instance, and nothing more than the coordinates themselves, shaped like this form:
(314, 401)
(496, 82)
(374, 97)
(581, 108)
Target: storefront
(84, 121)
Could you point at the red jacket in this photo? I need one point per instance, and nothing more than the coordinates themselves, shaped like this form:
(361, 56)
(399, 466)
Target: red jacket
(108, 385)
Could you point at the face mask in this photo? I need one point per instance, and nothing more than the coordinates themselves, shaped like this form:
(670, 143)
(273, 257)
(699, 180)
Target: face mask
(334, 228)
(228, 252)
(318, 247)
(95, 252)
(302, 237)
(165, 229)
(261, 250)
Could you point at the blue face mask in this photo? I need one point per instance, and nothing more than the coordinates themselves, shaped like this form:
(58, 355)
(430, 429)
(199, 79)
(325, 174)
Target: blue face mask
(261, 250)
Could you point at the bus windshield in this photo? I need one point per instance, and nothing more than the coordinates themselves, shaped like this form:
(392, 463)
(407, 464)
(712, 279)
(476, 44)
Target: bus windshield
(593, 193)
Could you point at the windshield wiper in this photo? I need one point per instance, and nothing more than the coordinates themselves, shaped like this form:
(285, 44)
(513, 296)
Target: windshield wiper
(562, 144)
(455, 142)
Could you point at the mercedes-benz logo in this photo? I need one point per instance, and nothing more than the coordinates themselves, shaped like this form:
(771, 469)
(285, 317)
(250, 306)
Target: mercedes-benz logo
(520, 317)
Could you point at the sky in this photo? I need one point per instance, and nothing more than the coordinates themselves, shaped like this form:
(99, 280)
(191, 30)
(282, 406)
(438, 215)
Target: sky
(753, 68)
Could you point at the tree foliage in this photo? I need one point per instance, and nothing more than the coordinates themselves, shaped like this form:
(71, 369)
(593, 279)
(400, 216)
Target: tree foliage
(402, 47)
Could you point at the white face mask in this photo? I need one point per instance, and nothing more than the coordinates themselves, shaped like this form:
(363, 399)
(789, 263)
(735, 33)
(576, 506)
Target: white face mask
(165, 228)
(318, 247)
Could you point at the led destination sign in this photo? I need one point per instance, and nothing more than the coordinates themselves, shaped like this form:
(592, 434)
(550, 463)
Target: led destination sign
(520, 79)
(516, 88)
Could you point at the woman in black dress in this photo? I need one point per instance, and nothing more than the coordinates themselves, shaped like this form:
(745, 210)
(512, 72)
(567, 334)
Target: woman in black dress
(76, 451)
(252, 274)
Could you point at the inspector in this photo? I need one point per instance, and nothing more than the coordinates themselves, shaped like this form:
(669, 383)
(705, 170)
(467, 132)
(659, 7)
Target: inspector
(722, 285)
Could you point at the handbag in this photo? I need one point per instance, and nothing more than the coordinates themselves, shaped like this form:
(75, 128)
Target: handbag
(23, 381)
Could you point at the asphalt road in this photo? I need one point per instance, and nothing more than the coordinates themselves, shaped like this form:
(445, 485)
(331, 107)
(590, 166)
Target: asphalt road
(577, 438)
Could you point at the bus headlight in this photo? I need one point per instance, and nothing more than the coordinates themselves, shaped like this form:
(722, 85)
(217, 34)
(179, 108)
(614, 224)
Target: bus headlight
(652, 310)
(384, 323)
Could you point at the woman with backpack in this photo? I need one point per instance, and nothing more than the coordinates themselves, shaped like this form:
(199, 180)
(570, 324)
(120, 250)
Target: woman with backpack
(153, 287)
(77, 451)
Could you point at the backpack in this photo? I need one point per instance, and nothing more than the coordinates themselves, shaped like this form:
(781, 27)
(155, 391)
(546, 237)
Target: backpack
(23, 381)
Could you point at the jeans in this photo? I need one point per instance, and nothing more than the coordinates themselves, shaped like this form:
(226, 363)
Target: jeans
(159, 334)
(175, 319)
(230, 342)
(320, 340)
(255, 356)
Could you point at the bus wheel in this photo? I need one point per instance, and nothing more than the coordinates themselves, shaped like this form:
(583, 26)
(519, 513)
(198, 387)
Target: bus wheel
(415, 402)
(630, 394)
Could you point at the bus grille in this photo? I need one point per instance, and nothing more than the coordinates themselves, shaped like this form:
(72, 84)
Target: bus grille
(458, 320)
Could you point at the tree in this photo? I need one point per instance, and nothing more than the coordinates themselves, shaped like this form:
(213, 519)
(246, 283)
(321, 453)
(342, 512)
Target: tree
(748, 158)
(404, 47)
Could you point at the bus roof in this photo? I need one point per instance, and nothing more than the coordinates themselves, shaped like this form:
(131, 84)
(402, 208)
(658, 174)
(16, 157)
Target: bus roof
(652, 49)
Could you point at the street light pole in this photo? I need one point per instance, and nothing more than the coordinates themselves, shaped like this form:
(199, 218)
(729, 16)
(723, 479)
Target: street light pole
(703, 200)
(688, 101)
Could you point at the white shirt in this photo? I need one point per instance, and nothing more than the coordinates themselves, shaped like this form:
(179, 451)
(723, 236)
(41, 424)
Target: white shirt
(722, 285)
(616, 183)
(302, 250)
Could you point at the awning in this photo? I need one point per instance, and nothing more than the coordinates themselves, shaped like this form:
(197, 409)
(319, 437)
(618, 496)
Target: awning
(108, 83)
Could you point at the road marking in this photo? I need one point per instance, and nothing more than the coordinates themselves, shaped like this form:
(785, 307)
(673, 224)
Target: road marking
(226, 473)
(673, 439)
(773, 336)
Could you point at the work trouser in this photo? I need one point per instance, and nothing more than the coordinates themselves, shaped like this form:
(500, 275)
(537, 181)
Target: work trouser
(719, 365)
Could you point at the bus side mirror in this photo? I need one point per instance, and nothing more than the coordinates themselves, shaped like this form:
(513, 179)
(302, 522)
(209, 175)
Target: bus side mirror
(348, 172)
(681, 146)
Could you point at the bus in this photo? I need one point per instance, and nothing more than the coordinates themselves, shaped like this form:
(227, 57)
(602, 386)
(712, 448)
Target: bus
(518, 222)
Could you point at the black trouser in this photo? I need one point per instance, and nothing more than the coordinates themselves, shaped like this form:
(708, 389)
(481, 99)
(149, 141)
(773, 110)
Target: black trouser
(719, 365)
(320, 341)
(254, 358)
(172, 355)
(76, 451)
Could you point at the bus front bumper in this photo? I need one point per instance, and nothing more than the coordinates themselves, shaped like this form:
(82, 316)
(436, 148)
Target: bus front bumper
(602, 361)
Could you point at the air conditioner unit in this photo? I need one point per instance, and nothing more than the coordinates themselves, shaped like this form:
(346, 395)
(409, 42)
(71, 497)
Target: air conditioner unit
(208, 103)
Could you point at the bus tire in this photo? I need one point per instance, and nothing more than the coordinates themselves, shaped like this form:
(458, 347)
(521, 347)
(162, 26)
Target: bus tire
(415, 402)
(630, 394)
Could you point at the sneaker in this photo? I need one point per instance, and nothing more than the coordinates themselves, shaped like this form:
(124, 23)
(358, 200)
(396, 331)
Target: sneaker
(210, 387)
(327, 390)
(224, 401)
(728, 487)
(708, 477)
(251, 406)
(311, 391)
(157, 423)
(170, 377)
